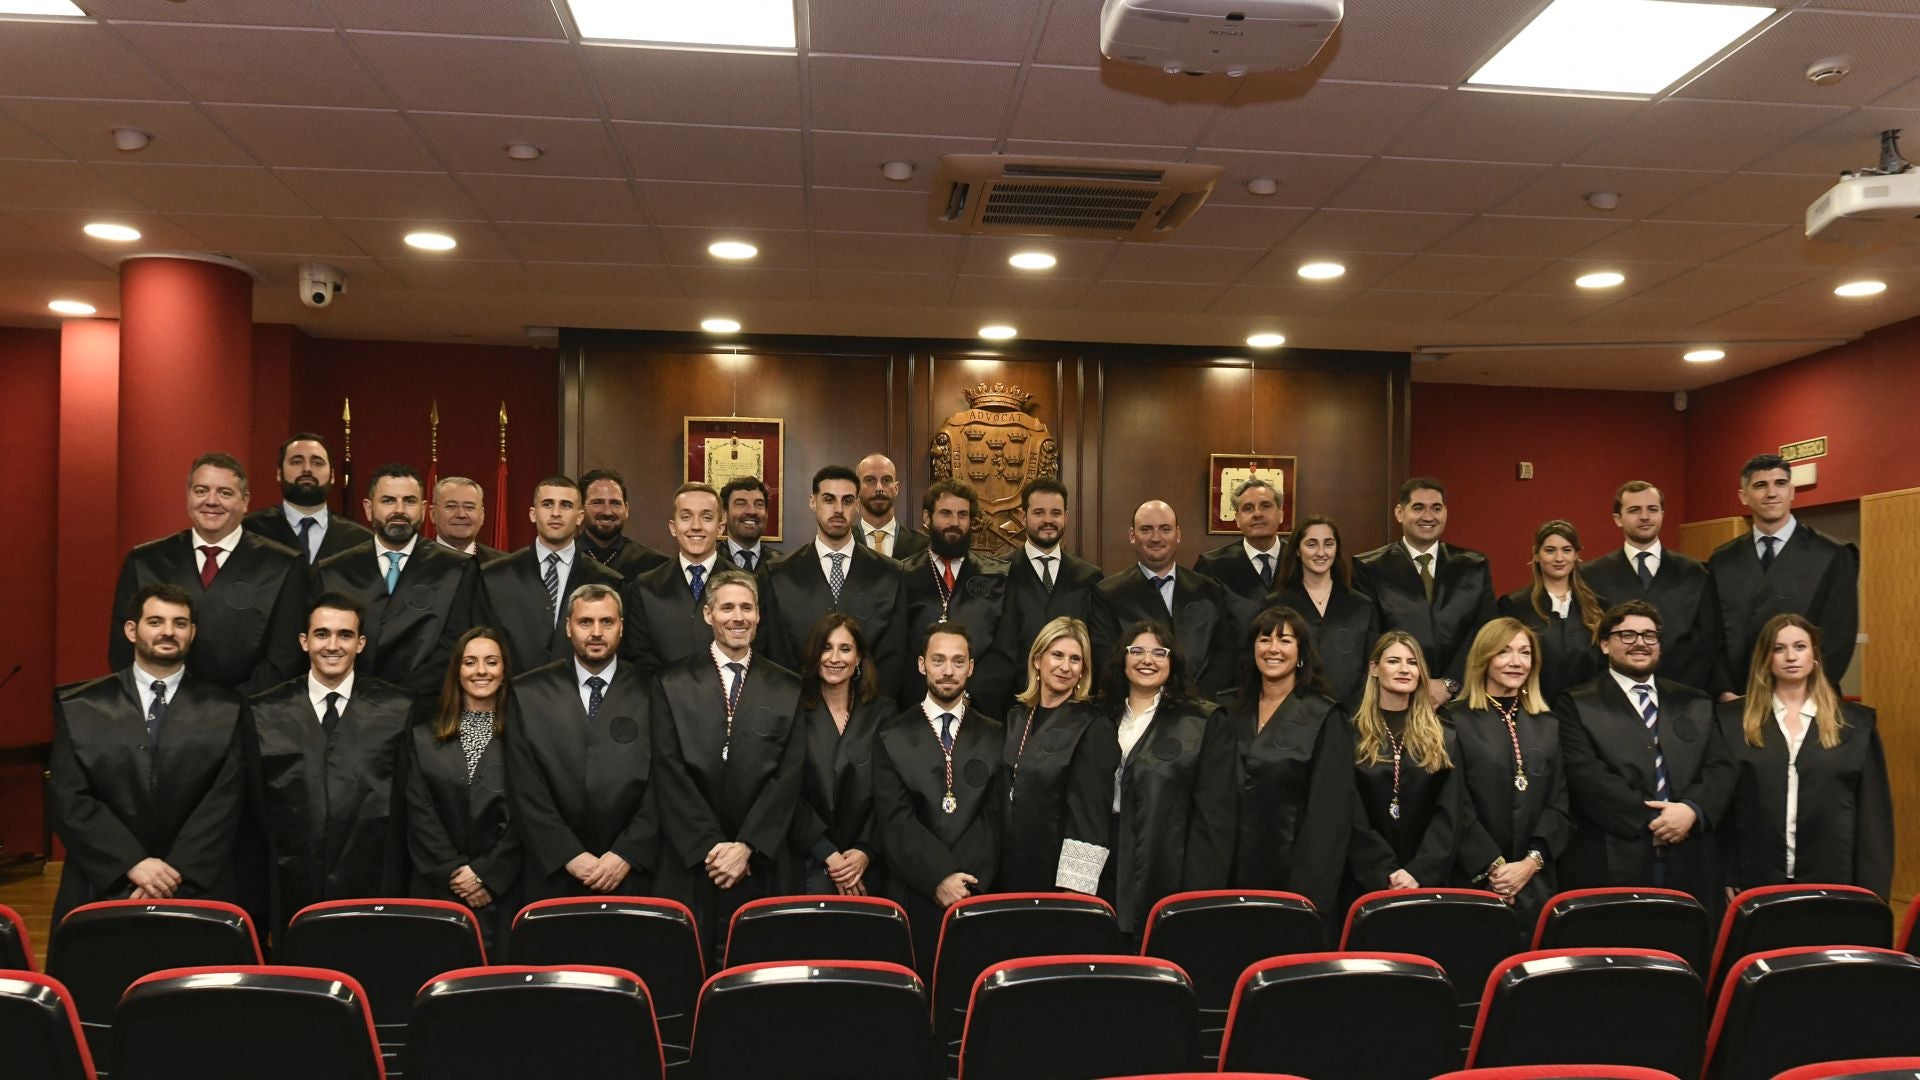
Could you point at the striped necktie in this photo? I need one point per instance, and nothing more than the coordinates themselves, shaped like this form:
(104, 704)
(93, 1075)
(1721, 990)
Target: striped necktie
(1650, 712)
(553, 586)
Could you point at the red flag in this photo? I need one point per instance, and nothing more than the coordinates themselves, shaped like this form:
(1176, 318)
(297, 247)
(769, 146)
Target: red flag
(433, 468)
(500, 540)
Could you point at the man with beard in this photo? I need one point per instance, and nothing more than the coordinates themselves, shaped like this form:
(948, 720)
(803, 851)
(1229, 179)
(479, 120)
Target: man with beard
(949, 583)
(664, 620)
(604, 540)
(1246, 566)
(879, 530)
(144, 780)
(302, 520)
(1156, 589)
(1439, 593)
(250, 593)
(579, 763)
(522, 594)
(729, 762)
(1677, 584)
(326, 762)
(744, 500)
(1648, 775)
(459, 511)
(1044, 582)
(835, 574)
(418, 597)
(938, 786)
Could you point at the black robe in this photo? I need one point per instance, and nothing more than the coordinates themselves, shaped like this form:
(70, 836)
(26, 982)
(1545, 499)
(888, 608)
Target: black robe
(1030, 606)
(795, 594)
(1202, 623)
(1343, 635)
(578, 786)
(1568, 656)
(1179, 810)
(1812, 575)
(1508, 822)
(1843, 819)
(115, 800)
(1462, 603)
(625, 556)
(907, 540)
(513, 600)
(333, 809)
(835, 812)
(247, 625)
(455, 822)
(481, 554)
(410, 634)
(1296, 797)
(978, 603)
(342, 532)
(664, 623)
(1689, 606)
(748, 796)
(1425, 839)
(1061, 788)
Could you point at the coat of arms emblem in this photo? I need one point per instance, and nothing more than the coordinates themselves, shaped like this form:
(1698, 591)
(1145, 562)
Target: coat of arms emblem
(996, 445)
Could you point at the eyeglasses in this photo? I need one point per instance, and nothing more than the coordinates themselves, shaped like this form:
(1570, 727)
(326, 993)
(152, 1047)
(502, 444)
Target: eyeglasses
(1138, 651)
(1629, 637)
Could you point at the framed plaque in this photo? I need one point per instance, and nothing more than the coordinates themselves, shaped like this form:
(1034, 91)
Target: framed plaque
(724, 448)
(1225, 472)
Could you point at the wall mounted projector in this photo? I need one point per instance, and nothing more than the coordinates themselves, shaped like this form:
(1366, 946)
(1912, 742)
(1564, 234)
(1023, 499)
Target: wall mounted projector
(1232, 37)
(1879, 203)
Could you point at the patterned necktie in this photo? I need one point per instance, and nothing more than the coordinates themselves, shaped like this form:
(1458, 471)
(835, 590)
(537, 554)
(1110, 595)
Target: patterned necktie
(733, 689)
(1766, 554)
(393, 569)
(595, 684)
(1426, 573)
(1650, 712)
(1266, 570)
(1166, 595)
(838, 576)
(306, 536)
(553, 586)
(1046, 572)
(697, 581)
(156, 714)
(1646, 573)
(211, 566)
(946, 732)
(745, 559)
(331, 718)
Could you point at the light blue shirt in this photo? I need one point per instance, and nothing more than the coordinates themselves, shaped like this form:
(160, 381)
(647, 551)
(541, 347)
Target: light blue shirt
(1166, 590)
(320, 519)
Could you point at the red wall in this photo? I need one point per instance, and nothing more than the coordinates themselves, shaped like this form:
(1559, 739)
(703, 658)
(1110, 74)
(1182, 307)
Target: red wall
(1583, 445)
(29, 441)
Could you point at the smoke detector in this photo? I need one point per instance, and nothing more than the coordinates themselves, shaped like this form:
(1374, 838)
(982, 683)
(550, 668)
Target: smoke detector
(1829, 71)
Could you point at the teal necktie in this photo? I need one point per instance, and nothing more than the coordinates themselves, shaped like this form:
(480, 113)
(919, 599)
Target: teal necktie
(393, 569)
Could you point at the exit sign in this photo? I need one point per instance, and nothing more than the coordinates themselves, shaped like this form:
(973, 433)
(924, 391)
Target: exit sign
(1804, 449)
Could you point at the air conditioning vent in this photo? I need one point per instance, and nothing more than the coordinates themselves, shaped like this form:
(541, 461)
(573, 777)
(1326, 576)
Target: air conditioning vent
(992, 194)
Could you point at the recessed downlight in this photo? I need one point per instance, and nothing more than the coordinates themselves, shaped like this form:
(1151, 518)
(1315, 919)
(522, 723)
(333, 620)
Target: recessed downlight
(998, 332)
(1605, 279)
(720, 326)
(732, 249)
(431, 241)
(1266, 341)
(72, 307)
(1704, 356)
(1861, 288)
(1032, 260)
(104, 230)
(1321, 271)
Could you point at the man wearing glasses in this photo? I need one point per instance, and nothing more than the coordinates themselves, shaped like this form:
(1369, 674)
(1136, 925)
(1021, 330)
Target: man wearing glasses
(1647, 773)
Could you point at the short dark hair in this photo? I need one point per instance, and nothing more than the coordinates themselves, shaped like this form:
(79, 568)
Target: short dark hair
(219, 461)
(1421, 483)
(1046, 485)
(1307, 676)
(1113, 671)
(945, 626)
(1764, 463)
(959, 489)
(744, 483)
(336, 601)
(1634, 487)
(1620, 613)
(302, 436)
(164, 591)
(400, 471)
(559, 480)
(589, 478)
(835, 472)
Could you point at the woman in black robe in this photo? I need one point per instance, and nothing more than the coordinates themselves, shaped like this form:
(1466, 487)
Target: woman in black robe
(1316, 580)
(1412, 805)
(1560, 609)
(1061, 754)
(832, 849)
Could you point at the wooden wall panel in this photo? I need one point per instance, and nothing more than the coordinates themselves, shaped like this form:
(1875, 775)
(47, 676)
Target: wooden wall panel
(1699, 538)
(1890, 618)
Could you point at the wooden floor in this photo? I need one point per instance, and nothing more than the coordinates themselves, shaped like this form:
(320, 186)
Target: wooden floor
(32, 897)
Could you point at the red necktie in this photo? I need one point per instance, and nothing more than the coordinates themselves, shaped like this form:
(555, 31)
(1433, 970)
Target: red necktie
(211, 567)
(947, 575)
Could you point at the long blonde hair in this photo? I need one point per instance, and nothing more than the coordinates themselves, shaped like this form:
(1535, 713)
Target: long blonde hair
(1057, 628)
(1757, 713)
(1426, 740)
(1486, 645)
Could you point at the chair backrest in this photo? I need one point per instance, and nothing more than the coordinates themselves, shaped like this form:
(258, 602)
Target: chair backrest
(1893, 1068)
(1465, 931)
(849, 1020)
(1620, 918)
(653, 938)
(1574, 1006)
(392, 947)
(40, 1030)
(1785, 1008)
(1215, 935)
(1559, 1072)
(1212, 1076)
(244, 1022)
(1784, 916)
(1321, 1015)
(981, 931)
(819, 928)
(16, 951)
(579, 1023)
(1905, 942)
(1080, 1018)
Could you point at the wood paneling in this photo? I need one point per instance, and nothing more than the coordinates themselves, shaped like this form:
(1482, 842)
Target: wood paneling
(1699, 538)
(1890, 618)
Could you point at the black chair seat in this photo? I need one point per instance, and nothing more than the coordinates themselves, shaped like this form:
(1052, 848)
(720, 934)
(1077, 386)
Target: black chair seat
(581, 1023)
(1344, 1016)
(819, 928)
(653, 938)
(40, 1036)
(852, 1020)
(244, 1023)
(1614, 918)
(1580, 1006)
(1079, 1018)
(1790, 1007)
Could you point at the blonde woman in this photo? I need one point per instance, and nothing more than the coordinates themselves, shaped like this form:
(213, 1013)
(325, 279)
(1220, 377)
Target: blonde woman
(1510, 767)
(1560, 609)
(1811, 802)
(1060, 755)
(1412, 805)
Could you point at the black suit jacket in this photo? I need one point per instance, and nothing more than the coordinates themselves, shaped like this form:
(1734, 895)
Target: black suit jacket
(410, 634)
(1568, 656)
(454, 822)
(1343, 634)
(1508, 822)
(342, 532)
(1296, 796)
(334, 809)
(1684, 592)
(117, 799)
(1202, 621)
(1813, 575)
(1179, 810)
(513, 600)
(1030, 606)
(978, 603)
(1246, 591)
(247, 626)
(664, 622)
(625, 556)
(907, 540)
(835, 812)
(582, 786)
(1060, 771)
(1463, 600)
(794, 595)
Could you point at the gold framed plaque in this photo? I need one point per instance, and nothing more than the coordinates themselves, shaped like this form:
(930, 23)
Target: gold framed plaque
(724, 448)
(1225, 472)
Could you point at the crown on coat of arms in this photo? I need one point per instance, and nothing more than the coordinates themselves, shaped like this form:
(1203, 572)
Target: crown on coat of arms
(998, 397)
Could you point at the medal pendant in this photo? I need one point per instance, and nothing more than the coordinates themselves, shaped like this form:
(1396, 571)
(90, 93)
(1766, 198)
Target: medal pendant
(1393, 809)
(949, 804)
(723, 753)
(1519, 781)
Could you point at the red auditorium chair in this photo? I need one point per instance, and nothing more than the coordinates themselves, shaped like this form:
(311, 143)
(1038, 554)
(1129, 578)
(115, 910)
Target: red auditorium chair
(1623, 918)
(40, 1037)
(1210, 1076)
(1639, 1007)
(245, 1023)
(1893, 1068)
(574, 1023)
(1344, 1016)
(1215, 935)
(391, 947)
(100, 949)
(1465, 931)
(1790, 1007)
(1079, 1018)
(16, 951)
(849, 1020)
(1905, 944)
(1783, 916)
(819, 928)
(653, 938)
(1559, 1072)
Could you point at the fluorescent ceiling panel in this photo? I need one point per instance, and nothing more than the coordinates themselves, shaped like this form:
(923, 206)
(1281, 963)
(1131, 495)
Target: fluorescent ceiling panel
(58, 8)
(1637, 47)
(727, 24)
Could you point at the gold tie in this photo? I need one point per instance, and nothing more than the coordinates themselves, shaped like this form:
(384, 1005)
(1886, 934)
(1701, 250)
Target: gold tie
(877, 540)
(1426, 573)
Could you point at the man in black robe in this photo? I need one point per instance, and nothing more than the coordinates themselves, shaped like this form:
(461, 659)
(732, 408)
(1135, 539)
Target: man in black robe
(878, 529)
(145, 774)
(459, 512)
(303, 521)
(1044, 580)
(949, 583)
(1157, 589)
(1246, 567)
(744, 499)
(1679, 585)
(1439, 593)
(664, 623)
(604, 539)
(522, 595)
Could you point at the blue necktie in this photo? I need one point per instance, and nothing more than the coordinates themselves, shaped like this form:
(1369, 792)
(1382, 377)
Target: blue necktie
(1160, 586)
(946, 732)
(156, 715)
(595, 684)
(733, 691)
(393, 569)
(1650, 712)
(697, 581)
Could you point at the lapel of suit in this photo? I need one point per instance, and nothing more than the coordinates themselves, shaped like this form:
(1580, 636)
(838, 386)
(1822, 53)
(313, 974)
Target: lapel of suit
(1399, 570)
(699, 699)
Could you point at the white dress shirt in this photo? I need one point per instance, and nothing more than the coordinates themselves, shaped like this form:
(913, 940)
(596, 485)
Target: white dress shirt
(1794, 742)
(1633, 556)
(933, 709)
(1626, 687)
(889, 536)
(758, 550)
(1132, 726)
(1253, 555)
(380, 550)
(226, 544)
(473, 547)
(1414, 553)
(1785, 534)
(143, 681)
(566, 554)
(821, 550)
(1561, 605)
(317, 692)
(686, 568)
(581, 675)
(320, 516)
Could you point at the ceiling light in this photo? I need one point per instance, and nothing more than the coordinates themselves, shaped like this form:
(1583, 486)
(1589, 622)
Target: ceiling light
(1704, 356)
(720, 326)
(1637, 47)
(1605, 279)
(998, 333)
(1262, 186)
(57, 8)
(101, 230)
(732, 249)
(1267, 341)
(750, 24)
(71, 307)
(127, 140)
(1861, 288)
(524, 151)
(431, 241)
(897, 171)
(1322, 271)
(1603, 200)
(1032, 260)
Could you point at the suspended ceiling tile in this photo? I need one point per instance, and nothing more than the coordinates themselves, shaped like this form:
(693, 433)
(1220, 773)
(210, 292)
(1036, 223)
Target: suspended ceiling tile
(1791, 247)
(1119, 103)
(1278, 302)
(1676, 134)
(206, 189)
(1563, 191)
(724, 154)
(1558, 279)
(478, 144)
(385, 239)
(992, 297)
(17, 140)
(1386, 304)
(1760, 198)
(1528, 310)
(743, 206)
(552, 242)
(786, 249)
(852, 159)
(1151, 296)
(287, 136)
(1239, 226)
(1721, 281)
(60, 230)
(1524, 236)
(483, 18)
(853, 210)
(1426, 41)
(481, 279)
(915, 97)
(1481, 126)
(601, 279)
(1303, 179)
(258, 66)
(1768, 317)
(544, 198)
(269, 233)
(1772, 67)
(398, 195)
(1332, 231)
(1461, 273)
(75, 59)
(1181, 263)
(1676, 241)
(84, 130)
(744, 284)
(1364, 269)
(1440, 187)
(988, 255)
(483, 75)
(852, 287)
(1072, 34)
(1323, 121)
(1638, 314)
(228, 12)
(685, 87)
(977, 30)
(1851, 142)
(887, 252)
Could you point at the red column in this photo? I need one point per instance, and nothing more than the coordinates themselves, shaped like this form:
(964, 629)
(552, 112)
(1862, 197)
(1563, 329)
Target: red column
(186, 382)
(86, 517)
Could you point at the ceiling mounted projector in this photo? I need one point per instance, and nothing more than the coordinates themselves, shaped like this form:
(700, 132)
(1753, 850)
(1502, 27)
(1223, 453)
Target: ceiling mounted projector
(1869, 204)
(1231, 37)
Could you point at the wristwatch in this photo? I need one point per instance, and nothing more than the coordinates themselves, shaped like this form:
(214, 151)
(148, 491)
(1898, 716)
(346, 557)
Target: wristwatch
(1539, 860)
(1453, 686)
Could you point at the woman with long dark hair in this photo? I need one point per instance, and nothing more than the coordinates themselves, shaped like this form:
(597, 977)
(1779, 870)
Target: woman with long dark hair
(1412, 805)
(1316, 580)
(460, 835)
(1561, 610)
(832, 837)
(1060, 755)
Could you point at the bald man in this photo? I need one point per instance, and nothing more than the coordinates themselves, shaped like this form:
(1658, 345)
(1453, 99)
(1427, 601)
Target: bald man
(880, 531)
(1193, 604)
